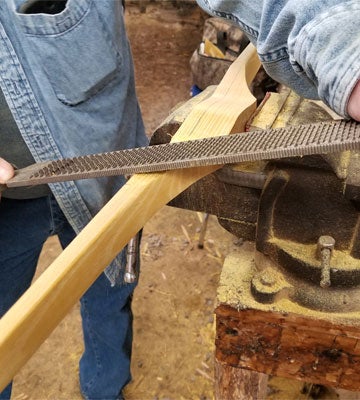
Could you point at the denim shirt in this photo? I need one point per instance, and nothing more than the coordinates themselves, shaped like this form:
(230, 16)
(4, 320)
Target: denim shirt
(312, 46)
(68, 80)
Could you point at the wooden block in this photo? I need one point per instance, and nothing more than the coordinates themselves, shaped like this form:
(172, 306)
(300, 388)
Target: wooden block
(283, 338)
(290, 346)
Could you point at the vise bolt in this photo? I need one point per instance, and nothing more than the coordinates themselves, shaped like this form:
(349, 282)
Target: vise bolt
(325, 246)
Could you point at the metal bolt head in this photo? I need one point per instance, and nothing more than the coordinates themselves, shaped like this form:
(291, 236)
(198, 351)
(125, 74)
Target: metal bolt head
(129, 277)
(267, 279)
(326, 242)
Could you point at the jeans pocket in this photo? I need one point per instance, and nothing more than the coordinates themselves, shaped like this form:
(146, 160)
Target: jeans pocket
(74, 48)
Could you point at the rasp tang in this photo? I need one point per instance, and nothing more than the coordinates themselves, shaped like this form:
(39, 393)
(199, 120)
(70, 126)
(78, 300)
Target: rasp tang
(299, 140)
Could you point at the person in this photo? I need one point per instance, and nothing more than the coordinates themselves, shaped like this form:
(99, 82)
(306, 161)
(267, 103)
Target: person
(311, 46)
(67, 79)
(67, 88)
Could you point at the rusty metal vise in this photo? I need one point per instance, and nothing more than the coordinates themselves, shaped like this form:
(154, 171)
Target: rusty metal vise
(302, 213)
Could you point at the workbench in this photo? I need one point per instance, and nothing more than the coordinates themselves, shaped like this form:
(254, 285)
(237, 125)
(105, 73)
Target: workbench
(282, 310)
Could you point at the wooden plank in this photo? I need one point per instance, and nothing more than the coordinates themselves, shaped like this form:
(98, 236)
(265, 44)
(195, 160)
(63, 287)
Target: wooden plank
(289, 345)
(42, 307)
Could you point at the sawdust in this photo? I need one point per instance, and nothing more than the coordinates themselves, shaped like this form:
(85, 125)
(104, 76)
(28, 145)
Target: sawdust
(234, 289)
(339, 259)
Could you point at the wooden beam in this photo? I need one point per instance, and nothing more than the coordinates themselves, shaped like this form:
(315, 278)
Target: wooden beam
(30, 321)
(290, 345)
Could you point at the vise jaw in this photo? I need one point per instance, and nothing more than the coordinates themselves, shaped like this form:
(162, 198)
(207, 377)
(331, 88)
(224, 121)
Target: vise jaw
(302, 213)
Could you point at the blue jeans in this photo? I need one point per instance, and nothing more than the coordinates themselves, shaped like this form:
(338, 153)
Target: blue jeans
(106, 314)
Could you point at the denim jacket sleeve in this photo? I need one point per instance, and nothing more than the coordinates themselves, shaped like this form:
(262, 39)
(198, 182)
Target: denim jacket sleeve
(312, 46)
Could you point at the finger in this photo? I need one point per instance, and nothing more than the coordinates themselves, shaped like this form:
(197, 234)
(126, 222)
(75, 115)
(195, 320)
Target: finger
(6, 171)
(353, 107)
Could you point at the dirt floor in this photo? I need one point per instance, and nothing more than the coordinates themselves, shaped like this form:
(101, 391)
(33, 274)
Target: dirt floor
(174, 302)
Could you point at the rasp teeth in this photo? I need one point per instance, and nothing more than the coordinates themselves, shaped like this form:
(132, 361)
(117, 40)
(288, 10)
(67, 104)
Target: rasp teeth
(268, 144)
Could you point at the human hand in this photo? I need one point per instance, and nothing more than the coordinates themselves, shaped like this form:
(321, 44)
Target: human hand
(353, 107)
(6, 171)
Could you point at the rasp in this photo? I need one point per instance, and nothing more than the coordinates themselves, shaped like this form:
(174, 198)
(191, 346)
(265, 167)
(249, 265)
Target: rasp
(299, 140)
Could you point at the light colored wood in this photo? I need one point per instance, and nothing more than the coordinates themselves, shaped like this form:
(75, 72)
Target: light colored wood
(238, 383)
(347, 395)
(29, 322)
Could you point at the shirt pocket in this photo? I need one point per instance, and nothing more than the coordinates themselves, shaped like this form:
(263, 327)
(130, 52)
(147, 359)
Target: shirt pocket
(75, 49)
